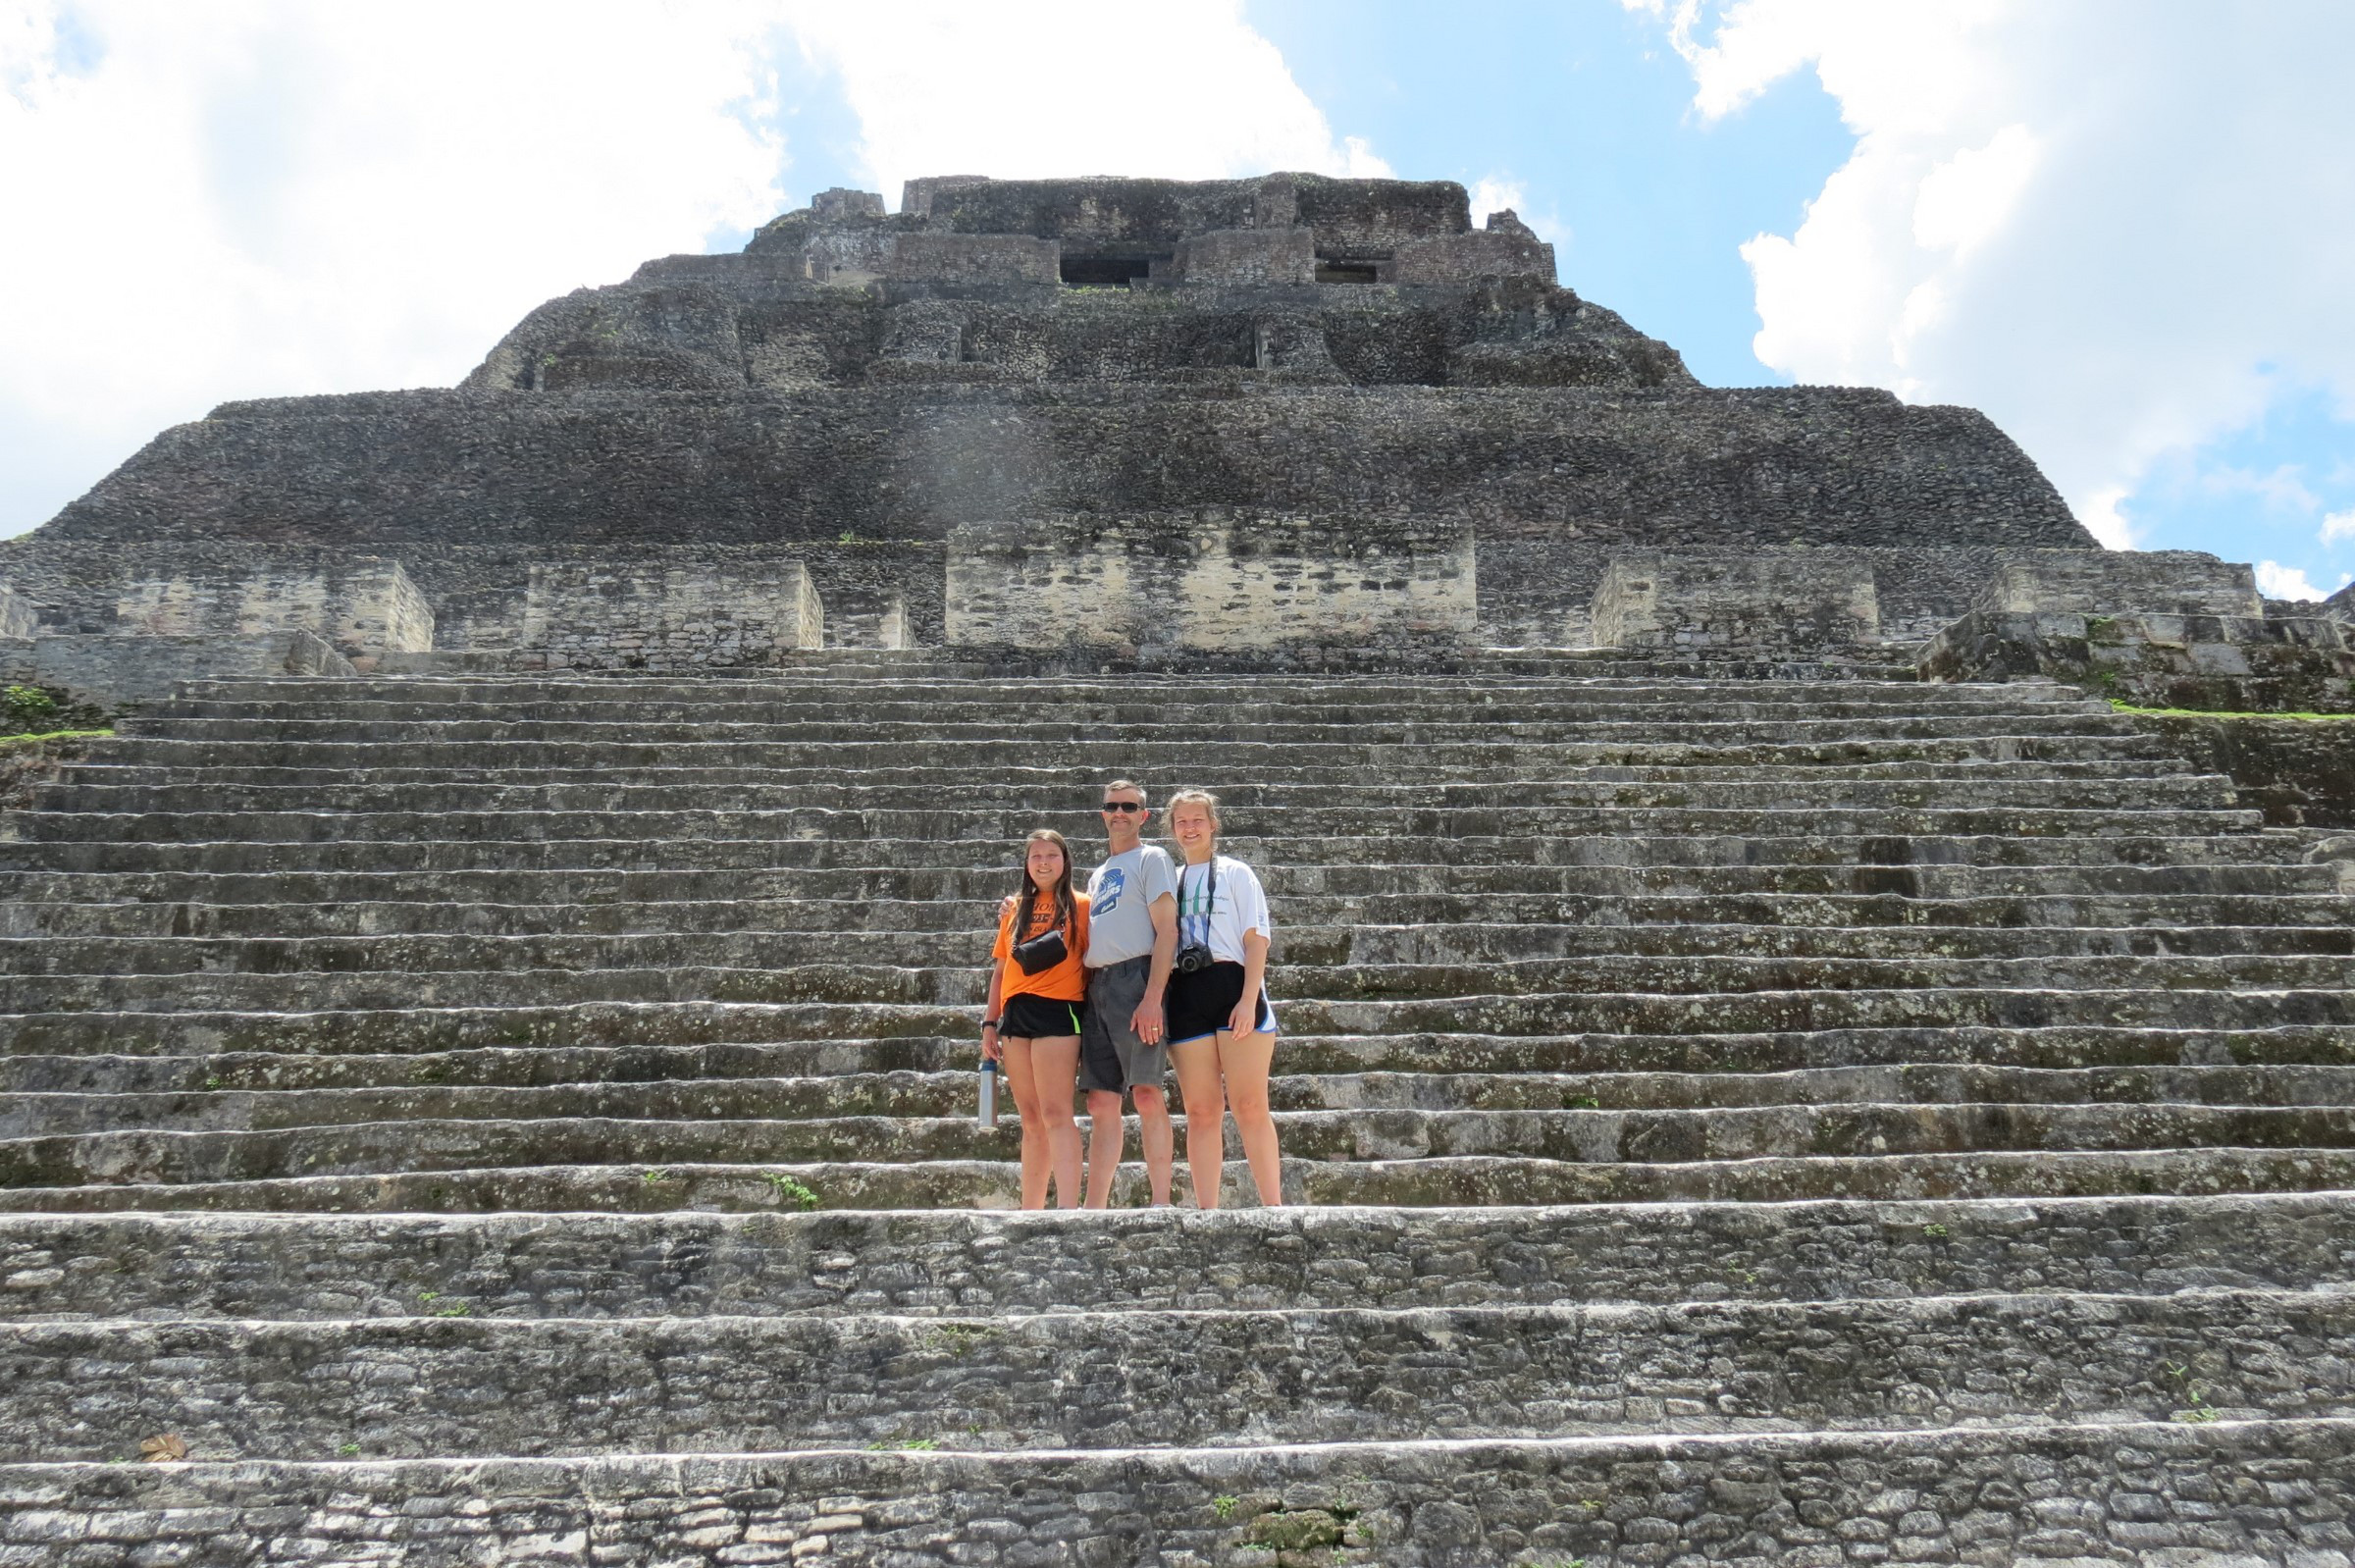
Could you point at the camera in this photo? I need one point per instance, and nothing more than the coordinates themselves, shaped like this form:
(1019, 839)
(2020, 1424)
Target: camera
(1191, 958)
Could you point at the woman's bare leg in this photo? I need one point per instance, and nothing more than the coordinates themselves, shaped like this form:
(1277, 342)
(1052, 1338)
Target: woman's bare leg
(1243, 1064)
(1037, 1164)
(1198, 1064)
(1055, 1069)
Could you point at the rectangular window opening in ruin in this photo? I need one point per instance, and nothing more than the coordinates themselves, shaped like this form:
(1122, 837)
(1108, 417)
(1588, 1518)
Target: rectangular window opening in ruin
(1344, 272)
(1105, 272)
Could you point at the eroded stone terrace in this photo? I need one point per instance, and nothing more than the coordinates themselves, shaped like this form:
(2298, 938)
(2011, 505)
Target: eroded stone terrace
(1773, 1118)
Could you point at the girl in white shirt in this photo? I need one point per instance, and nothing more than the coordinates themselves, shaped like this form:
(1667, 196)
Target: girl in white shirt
(1222, 1031)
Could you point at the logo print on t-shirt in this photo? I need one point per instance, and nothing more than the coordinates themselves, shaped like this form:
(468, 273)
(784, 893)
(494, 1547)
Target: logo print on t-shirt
(1108, 893)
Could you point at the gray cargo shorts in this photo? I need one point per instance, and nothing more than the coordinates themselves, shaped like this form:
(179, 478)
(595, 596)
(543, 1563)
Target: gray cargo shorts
(1111, 1056)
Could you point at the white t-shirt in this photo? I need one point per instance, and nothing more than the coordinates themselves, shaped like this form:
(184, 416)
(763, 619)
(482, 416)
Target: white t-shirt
(1241, 905)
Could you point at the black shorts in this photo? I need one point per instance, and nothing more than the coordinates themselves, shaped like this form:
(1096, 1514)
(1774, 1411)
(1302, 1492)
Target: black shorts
(1201, 1003)
(1040, 1017)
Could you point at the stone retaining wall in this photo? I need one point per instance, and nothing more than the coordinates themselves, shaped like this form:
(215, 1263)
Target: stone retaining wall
(365, 607)
(1654, 470)
(2278, 1494)
(665, 615)
(2120, 582)
(2300, 772)
(2217, 663)
(1217, 581)
(113, 671)
(597, 1266)
(1795, 599)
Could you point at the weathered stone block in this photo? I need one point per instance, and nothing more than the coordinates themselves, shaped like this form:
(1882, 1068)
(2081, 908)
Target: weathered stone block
(1247, 256)
(1219, 581)
(1796, 598)
(840, 202)
(110, 670)
(667, 613)
(1461, 258)
(20, 618)
(2216, 662)
(989, 259)
(2166, 582)
(365, 607)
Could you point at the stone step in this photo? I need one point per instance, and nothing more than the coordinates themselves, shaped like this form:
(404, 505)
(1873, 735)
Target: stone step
(1470, 1181)
(1633, 916)
(2156, 1491)
(1562, 988)
(2050, 1047)
(954, 890)
(280, 1266)
(416, 1027)
(423, 1144)
(1275, 787)
(950, 1095)
(432, 1386)
(1387, 688)
(1855, 839)
(797, 685)
(1212, 739)
(1081, 709)
(1296, 948)
(991, 809)
(793, 764)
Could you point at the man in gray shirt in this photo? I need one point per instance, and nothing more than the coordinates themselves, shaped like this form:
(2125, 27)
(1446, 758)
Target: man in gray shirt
(1131, 939)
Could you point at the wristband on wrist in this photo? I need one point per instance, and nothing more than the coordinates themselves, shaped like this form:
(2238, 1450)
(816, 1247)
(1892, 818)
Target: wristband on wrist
(989, 1024)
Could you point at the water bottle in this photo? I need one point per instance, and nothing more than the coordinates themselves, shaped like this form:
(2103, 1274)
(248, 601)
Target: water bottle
(987, 1115)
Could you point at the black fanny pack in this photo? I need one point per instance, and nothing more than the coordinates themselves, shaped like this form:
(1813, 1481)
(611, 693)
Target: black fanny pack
(1041, 953)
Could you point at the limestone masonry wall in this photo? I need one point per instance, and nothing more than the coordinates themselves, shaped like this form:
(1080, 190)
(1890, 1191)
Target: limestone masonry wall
(1793, 598)
(2273, 1493)
(364, 605)
(1216, 581)
(2158, 582)
(1649, 469)
(19, 617)
(665, 615)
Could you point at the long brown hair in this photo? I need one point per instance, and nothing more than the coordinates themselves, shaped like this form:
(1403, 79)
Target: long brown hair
(1066, 909)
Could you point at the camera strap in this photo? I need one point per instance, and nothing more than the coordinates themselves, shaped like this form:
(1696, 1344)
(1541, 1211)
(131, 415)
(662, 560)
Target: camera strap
(1210, 896)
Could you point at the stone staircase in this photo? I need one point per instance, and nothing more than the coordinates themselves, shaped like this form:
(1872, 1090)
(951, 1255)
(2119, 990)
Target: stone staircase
(1776, 1115)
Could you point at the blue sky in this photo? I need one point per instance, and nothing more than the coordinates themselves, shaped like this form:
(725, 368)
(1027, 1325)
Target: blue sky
(2005, 204)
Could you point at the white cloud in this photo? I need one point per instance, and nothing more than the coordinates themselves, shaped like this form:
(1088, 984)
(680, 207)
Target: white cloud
(278, 196)
(252, 198)
(1063, 88)
(2276, 581)
(2120, 228)
(1495, 193)
(2337, 526)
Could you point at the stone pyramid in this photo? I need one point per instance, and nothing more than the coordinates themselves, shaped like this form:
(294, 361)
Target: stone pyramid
(485, 1047)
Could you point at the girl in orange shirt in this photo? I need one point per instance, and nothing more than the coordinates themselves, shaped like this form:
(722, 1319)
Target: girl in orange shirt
(1037, 1003)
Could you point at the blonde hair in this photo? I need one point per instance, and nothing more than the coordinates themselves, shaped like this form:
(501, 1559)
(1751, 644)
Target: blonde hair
(1202, 798)
(1142, 798)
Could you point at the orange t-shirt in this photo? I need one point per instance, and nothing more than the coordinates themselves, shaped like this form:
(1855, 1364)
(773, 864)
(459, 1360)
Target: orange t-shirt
(1066, 982)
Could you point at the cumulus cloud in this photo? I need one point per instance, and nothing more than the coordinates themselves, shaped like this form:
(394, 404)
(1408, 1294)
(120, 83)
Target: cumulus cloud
(252, 198)
(278, 196)
(1495, 192)
(2337, 526)
(2276, 581)
(1046, 89)
(2042, 217)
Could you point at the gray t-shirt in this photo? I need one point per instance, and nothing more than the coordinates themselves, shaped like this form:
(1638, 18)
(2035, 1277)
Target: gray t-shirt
(1119, 894)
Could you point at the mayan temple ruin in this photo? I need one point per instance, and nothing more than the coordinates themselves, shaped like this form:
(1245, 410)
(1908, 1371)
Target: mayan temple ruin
(1778, 1066)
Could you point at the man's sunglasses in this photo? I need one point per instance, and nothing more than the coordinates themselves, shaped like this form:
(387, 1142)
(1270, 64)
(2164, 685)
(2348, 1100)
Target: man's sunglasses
(1123, 808)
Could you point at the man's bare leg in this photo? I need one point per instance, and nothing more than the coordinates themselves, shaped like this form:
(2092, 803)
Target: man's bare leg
(1158, 1140)
(1106, 1145)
